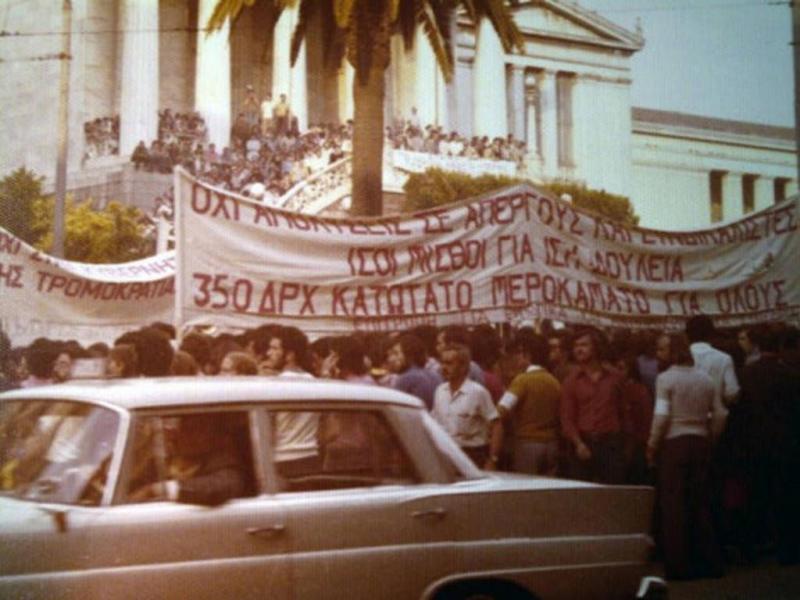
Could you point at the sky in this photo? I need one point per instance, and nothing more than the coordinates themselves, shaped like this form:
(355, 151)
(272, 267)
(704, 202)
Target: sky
(729, 59)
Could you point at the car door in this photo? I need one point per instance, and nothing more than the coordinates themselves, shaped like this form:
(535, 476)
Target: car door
(228, 548)
(358, 520)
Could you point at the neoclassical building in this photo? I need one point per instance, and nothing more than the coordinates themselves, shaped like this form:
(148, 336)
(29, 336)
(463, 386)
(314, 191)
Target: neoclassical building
(567, 96)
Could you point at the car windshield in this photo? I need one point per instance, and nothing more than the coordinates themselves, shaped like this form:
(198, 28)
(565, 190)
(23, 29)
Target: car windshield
(55, 451)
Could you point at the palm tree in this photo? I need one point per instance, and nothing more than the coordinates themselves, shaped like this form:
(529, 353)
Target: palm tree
(360, 31)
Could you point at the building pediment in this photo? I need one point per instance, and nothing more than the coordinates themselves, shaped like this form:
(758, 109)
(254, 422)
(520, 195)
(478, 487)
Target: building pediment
(570, 22)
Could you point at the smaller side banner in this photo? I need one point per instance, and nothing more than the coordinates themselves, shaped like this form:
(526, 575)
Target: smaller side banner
(419, 162)
(509, 256)
(42, 296)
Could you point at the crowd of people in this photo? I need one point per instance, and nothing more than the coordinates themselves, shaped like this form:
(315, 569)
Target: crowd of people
(101, 137)
(268, 154)
(408, 134)
(711, 419)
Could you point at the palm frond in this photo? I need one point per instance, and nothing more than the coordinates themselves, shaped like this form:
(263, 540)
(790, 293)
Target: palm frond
(434, 18)
(343, 11)
(224, 11)
(406, 22)
(500, 16)
(304, 18)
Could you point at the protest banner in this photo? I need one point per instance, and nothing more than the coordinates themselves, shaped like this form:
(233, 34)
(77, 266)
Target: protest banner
(419, 162)
(42, 296)
(509, 256)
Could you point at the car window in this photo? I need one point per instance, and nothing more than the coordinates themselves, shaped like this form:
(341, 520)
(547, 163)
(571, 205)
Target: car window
(197, 458)
(336, 449)
(56, 451)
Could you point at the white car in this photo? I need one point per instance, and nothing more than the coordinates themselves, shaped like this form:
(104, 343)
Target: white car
(252, 487)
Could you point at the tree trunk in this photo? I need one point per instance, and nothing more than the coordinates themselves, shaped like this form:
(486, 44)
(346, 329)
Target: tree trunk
(368, 95)
(368, 144)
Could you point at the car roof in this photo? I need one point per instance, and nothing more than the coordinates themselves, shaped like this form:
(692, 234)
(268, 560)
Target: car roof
(139, 393)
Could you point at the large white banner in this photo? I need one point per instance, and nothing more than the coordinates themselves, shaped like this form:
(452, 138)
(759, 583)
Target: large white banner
(508, 256)
(419, 162)
(42, 296)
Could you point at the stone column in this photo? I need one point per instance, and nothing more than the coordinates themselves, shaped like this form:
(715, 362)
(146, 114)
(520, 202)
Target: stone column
(212, 83)
(425, 80)
(139, 86)
(764, 192)
(489, 81)
(517, 102)
(451, 92)
(732, 196)
(286, 79)
(346, 76)
(533, 118)
(549, 122)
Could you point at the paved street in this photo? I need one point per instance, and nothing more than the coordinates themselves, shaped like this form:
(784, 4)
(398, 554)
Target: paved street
(764, 581)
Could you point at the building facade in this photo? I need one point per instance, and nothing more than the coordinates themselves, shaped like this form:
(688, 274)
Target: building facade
(567, 97)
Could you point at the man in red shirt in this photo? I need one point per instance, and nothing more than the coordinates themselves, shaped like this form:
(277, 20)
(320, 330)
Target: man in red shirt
(591, 413)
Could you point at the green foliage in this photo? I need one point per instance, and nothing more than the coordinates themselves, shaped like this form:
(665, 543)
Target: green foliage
(436, 187)
(112, 235)
(19, 190)
(617, 208)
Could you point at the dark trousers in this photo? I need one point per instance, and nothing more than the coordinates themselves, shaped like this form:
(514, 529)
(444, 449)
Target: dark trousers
(607, 463)
(478, 454)
(774, 506)
(689, 545)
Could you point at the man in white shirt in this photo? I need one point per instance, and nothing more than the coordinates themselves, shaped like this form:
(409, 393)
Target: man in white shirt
(465, 410)
(716, 364)
(295, 432)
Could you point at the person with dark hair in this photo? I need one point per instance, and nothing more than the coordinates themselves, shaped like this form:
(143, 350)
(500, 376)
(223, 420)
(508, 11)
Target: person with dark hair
(39, 357)
(183, 363)
(346, 360)
(485, 347)
(288, 352)
(465, 410)
(296, 432)
(319, 351)
(747, 338)
(166, 328)
(62, 367)
(123, 361)
(646, 360)
(238, 363)
(558, 362)
(770, 400)
(220, 346)
(591, 412)
(153, 350)
(716, 364)
(198, 345)
(427, 334)
(406, 357)
(8, 379)
(680, 442)
(98, 350)
(636, 419)
(532, 404)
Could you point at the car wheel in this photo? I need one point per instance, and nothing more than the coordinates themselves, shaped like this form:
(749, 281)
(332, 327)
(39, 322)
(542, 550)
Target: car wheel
(483, 590)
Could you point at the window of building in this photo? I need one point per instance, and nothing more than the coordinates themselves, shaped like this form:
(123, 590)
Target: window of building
(715, 195)
(564, 85)
(779, 189)
(748, 193)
